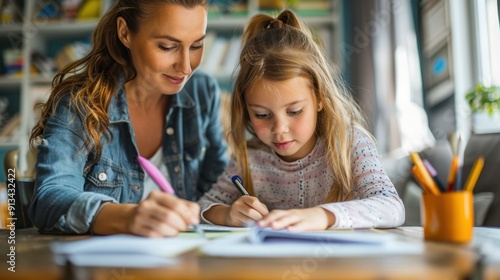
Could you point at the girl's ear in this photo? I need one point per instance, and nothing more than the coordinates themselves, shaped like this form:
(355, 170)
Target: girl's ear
(320, 106)
(123, 33)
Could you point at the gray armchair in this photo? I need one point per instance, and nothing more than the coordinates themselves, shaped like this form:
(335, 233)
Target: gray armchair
(488, 146)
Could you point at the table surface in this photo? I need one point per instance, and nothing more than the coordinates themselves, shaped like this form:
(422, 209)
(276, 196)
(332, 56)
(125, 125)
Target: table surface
(34, 260)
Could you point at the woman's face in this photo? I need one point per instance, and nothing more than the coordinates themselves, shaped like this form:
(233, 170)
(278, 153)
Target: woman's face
(167, 48)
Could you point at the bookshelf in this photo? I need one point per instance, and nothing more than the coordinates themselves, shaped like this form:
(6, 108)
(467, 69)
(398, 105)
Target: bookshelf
(322, 16)
(37, 37)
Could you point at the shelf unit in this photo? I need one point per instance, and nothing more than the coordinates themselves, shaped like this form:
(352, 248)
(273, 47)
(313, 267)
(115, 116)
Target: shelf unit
(33, 34)
(40, 35)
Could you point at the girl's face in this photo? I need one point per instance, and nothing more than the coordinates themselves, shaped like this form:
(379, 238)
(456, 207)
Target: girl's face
(167, 48)
(283, 115)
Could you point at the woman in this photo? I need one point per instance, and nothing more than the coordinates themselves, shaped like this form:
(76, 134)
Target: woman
(136, 93)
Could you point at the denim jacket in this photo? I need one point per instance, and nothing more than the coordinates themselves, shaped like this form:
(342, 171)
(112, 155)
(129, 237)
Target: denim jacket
(69, 191)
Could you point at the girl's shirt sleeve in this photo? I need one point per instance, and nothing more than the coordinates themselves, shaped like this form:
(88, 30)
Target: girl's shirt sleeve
(222, 192)
(376, 203)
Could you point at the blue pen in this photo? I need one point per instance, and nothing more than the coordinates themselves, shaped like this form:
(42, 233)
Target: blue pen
(162, 182)
(238, 183)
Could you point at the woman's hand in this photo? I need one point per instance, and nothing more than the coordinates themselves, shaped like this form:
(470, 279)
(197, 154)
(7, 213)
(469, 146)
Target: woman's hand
(161, 214)
(308, 219)
(245, 210)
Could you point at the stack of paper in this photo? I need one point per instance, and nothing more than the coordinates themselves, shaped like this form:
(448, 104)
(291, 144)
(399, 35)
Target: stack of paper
(123, 250)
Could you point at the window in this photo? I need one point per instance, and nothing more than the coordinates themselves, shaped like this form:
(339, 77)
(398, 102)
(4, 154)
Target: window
(488, 41)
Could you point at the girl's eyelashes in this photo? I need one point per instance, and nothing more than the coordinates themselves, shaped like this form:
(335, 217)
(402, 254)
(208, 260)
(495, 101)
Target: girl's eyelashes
(268, 115)
(295, 112)
(261, 116)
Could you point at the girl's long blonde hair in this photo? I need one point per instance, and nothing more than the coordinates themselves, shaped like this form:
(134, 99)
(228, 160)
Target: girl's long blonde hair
(279, 49)
(92, 80)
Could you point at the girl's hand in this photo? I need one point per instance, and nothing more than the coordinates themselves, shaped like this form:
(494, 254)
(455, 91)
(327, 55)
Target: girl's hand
(308, 219)
(161, 214)
(245, 210)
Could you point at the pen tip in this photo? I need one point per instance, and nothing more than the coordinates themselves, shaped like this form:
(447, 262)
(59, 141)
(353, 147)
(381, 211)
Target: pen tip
(236, 178)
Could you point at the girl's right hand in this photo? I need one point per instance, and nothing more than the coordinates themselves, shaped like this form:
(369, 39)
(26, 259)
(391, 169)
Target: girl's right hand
(161, 215)
(245, 210)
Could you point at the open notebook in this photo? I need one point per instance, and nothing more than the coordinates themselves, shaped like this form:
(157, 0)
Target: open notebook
(260, 236)
(345, 243)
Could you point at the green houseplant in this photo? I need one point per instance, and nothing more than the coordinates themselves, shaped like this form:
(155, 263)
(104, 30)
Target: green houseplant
(485, 99)
(484, 102)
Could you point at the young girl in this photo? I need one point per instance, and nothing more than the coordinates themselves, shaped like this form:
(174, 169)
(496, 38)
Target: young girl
(309, 152)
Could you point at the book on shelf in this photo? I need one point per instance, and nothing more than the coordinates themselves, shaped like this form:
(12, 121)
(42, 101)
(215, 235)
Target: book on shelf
(10, 12)
(232, 55)
(44, 65)
(67, 10)
(301, 7)
(273, 4)
(313, 5)
(9, 113)
(207, 46)
(221, 54)
(11, 125)
(12, 61)
(72, 52)
(224, 8)
(215, 56)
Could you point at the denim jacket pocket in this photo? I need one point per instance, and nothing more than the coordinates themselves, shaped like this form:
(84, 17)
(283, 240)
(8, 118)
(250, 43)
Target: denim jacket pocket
(196, 151)
(105, 178)
(193, 156)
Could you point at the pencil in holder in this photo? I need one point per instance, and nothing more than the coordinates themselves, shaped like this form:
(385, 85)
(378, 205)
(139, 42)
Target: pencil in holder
(448, 217)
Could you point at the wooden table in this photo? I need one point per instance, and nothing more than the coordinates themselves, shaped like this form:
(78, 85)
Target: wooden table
(34, 260)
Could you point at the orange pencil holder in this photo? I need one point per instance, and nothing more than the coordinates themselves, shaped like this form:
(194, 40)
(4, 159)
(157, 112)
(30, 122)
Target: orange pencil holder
(448, 217)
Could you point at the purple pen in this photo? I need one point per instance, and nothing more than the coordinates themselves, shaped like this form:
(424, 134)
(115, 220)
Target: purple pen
(434, 174)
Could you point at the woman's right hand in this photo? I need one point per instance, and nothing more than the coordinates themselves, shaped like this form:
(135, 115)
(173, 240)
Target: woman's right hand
(161, 215)
(246, 210)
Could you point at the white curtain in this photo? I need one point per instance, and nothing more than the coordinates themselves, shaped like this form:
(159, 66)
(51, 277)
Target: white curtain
(383, 68)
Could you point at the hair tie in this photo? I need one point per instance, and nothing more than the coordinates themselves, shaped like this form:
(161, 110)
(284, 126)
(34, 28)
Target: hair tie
(275, 24)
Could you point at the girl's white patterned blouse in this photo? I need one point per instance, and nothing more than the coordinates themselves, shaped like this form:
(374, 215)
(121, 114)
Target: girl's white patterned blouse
(305, 183)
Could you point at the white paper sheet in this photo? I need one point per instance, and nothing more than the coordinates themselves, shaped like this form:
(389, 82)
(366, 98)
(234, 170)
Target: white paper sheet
(217, 228)
(123, 250)
(116, 260)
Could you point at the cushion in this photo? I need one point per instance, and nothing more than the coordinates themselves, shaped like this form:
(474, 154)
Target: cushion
(488, 146)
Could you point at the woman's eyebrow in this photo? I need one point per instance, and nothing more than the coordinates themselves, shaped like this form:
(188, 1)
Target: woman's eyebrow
(173, 39)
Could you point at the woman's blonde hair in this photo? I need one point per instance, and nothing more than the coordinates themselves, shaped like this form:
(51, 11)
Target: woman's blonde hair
(279, 49)
(92, 80)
